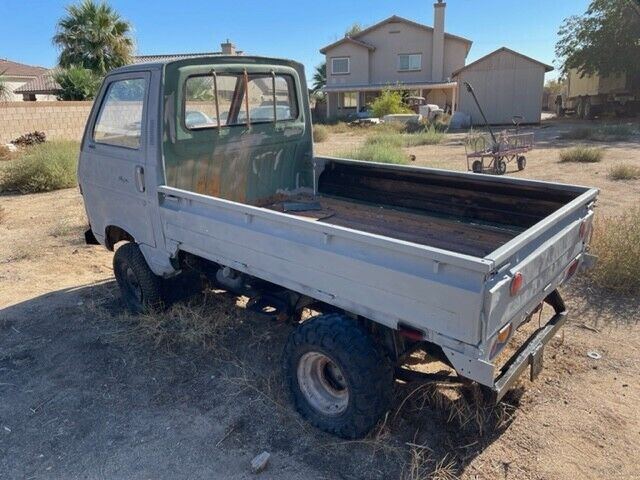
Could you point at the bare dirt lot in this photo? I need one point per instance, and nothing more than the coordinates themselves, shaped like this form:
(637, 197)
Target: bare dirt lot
(88, 391)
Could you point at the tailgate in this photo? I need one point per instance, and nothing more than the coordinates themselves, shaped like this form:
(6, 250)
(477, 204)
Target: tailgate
(542, 256)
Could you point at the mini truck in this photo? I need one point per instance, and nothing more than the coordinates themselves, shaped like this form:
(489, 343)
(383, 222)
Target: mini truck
(206, 165)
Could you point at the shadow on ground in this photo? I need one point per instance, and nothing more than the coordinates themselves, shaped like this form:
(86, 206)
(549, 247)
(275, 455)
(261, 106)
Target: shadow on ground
(89, 391)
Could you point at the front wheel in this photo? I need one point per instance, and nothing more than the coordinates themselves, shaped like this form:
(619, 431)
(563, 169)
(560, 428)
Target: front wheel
(501, 166)
(476, 166)
(140, 288)
(339, 378)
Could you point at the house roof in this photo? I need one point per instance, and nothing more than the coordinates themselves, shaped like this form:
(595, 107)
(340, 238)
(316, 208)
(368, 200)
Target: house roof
(45, 84)
(547, 68)
(348, 40)
(42, 84)
(392, 19)
(15, 69)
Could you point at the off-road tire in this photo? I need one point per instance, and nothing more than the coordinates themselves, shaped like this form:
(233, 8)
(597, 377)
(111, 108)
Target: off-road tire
(367, 372)
(128, 260)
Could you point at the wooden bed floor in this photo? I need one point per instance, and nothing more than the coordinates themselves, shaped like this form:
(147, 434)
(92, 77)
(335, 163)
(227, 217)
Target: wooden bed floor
(445, 233)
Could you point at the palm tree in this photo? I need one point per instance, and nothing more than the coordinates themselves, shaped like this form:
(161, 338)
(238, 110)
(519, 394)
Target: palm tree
(94, 36)
(319, 77)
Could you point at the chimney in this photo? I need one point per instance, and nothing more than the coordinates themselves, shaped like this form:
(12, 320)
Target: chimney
(228, 48)
(437, 55)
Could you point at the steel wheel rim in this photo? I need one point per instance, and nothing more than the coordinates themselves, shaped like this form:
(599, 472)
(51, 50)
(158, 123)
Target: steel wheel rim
(323, 384)
(133, 285)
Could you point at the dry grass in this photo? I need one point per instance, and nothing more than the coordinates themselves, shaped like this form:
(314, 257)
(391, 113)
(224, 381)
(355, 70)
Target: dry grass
(616, 242)
(603, 133)
(581, 155)
(427, 137)
(320, 133)
(3, 215)
(6, 154)
(41, 168)
(624, 171)
(378, 152)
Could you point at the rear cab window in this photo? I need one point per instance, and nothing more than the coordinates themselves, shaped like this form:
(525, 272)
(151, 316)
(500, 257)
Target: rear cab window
(119, 120)
(234, 99)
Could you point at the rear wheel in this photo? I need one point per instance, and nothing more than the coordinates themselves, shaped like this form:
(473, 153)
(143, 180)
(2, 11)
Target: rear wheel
(338, 377)
(587, 109)
(501, 166)
(140, 288)
(522, 162)
(476, 166)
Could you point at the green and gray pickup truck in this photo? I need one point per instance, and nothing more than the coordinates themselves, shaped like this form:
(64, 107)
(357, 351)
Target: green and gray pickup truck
(207, 165)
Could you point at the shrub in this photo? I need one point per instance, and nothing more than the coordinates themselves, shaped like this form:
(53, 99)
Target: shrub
(378, 152)
(320, 133)
(42, 168)
(624, 172)
(603, 133)
(616, 242)
(427, 137)
(77, 83)
(389, 102)
(29, 139)
(581, 155)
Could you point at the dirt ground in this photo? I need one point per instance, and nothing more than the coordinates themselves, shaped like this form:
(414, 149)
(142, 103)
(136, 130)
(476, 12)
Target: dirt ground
(89, 392)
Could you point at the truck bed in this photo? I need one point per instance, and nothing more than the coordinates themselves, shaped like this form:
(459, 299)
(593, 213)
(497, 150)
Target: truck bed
(445, 232)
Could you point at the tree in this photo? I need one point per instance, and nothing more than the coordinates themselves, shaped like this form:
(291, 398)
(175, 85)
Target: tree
(77, 83)
(604, 41)
(4, 88)
(353, 30)
(319, 77)
(554, 86)
(94, 36)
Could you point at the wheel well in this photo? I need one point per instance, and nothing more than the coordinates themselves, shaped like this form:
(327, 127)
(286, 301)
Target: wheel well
(114, 235)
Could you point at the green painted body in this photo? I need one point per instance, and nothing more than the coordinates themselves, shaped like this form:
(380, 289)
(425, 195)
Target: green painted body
(248, 164)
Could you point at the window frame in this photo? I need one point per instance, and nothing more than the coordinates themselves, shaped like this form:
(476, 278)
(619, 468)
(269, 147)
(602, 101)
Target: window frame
(238, 74)
(409, 55)
(141, 75)
(333, 70)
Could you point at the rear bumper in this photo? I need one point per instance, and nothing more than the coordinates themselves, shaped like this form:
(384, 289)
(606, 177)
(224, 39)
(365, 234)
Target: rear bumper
(530, 355)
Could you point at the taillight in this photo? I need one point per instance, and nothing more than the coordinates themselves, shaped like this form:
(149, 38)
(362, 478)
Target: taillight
(583, 230)
(516, 284)
(409, 333)
(573, 268)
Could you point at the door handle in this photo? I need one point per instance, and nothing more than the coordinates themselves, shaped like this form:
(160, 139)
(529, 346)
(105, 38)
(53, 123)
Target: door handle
(140, 178)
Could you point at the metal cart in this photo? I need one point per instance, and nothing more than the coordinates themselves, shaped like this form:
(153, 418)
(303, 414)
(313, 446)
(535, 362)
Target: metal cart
(488, 153)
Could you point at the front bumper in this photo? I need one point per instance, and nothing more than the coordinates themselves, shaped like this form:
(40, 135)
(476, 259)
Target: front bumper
(530, 354)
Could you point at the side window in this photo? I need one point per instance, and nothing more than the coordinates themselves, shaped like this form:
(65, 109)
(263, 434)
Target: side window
(119, 121)
(200, 100)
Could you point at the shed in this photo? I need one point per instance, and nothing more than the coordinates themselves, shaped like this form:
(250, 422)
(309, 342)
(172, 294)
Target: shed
(507, 83)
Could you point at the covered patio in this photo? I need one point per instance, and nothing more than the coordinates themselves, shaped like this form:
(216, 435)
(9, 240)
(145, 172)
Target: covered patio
(347, 100)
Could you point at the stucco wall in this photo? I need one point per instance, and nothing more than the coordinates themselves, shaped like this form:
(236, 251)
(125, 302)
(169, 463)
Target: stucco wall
(506, 85)
(359, 65)
(58, 120)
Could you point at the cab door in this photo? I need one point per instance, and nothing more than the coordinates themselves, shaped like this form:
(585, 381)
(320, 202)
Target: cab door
(112, 164)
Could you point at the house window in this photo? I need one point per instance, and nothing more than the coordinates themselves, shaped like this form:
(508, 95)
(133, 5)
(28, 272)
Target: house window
(409, 62)
(349, 100)
(340, 65)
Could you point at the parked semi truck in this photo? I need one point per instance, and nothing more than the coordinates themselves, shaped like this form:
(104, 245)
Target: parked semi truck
(206, 165)
(591, 95)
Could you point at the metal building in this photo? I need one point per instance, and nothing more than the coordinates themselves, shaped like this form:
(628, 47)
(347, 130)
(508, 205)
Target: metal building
(507, 83)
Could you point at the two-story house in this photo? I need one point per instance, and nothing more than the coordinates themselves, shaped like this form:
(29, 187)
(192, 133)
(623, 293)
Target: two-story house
(395, 53)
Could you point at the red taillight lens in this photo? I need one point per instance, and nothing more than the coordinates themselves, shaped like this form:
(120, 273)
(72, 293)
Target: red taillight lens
(412, 334)
(516, 284)
(573, 268)
(583, 230)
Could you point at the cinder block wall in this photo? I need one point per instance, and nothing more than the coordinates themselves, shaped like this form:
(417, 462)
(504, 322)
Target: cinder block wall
(58, 120)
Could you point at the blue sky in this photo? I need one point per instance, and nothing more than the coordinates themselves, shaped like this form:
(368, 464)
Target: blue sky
(292, 29)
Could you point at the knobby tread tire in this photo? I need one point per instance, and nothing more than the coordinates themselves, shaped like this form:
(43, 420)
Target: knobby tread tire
(367, 370)
(129, 255)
